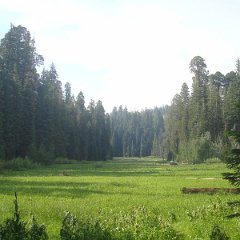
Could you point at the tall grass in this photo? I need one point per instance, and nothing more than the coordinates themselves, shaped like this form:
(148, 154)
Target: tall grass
(112, 192)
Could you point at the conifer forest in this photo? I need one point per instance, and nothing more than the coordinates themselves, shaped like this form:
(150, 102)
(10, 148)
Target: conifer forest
(40, 119)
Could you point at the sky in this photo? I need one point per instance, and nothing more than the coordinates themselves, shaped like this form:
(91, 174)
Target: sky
(134, 53)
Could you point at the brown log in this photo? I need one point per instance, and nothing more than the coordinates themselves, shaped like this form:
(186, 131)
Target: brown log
(211, 190)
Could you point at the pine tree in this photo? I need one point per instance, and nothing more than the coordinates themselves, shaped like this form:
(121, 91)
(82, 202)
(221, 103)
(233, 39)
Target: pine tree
(101, 132)
(198, 102)
(215, 116)
(2, 144)
(231, 114)
(232, 156)
(70, 123)
(51, 114)
(91, 129)
(19, 79)
(81, 124)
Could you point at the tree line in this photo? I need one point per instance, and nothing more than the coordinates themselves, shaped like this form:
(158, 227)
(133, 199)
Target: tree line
(42, 120)
(197, 122)
(192, 129)
(137, 134)
(38, 118)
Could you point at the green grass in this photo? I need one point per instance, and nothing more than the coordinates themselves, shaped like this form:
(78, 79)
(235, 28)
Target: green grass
(107, 191)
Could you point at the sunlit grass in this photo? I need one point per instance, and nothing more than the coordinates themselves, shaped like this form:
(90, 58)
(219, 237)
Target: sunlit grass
(101, 190)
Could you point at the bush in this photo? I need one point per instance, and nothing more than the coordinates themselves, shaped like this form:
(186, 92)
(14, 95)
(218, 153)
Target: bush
(74, 229)
(61, 160)
(16, 229)
(36, 231)
(200, 149)
(218, 234)
(18, 164)
(213, 160)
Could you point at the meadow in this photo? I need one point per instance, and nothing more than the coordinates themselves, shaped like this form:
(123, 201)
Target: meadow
(126, 195)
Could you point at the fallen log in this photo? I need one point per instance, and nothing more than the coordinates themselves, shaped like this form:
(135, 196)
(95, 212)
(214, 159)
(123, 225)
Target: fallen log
(211, 190)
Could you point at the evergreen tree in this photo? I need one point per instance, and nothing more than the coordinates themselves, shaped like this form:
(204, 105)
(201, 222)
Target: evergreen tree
(101, 132)
(70, 123)
(2, 144)
(232, 158)
(19, 78)
(173, 125)
(238, 68)
(81, 124)
(198, 102)
(116, 132)
(91, 128)
(215, 116)
(231, 113)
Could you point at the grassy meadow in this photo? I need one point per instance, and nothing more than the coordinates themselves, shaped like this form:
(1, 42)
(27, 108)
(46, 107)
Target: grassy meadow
(136, 195)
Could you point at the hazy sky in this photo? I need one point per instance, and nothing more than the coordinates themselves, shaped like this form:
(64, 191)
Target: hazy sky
(134, 52)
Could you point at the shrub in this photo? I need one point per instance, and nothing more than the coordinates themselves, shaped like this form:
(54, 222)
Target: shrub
(74, 229)
(16, 229)
(36, 231)
(18, 164)
(200, 149)
(213, 160)
(218, 234)
(62, 160)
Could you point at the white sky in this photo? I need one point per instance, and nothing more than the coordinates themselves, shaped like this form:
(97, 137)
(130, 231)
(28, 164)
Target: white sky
(134, 53)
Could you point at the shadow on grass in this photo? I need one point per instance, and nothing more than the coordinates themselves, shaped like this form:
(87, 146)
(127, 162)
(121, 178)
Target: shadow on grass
(95, 172)
(46, 188)
(64, 189)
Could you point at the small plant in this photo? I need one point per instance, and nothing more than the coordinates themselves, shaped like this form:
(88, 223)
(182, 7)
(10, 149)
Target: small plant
(74, 229)
(214, 210)
(213, 160)
(218, 234)
(36, 231)
(16, 229)
(138, 224)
